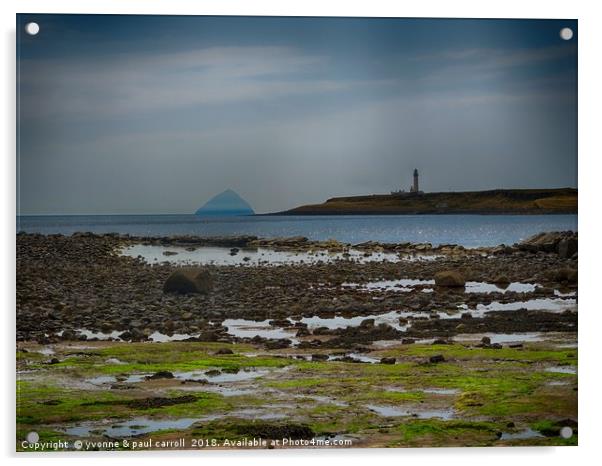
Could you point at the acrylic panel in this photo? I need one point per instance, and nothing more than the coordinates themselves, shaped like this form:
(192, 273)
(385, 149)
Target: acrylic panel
(295, 232)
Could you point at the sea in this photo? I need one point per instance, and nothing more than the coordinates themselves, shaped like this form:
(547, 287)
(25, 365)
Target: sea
(467, 230)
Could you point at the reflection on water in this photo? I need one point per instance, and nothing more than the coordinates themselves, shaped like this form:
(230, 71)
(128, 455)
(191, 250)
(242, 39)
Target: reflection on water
(393, 411)
(562, 369)
(114, 335)
(482, 287)
(538, 304)
(249, 257)
(503, 337)
(243, 328)
(403, 284)
(390, 318)
(523, 434)
(210, 376)
(133, 427)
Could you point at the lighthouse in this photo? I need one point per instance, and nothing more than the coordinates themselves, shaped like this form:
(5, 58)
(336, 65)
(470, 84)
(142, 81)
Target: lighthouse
(414, 188)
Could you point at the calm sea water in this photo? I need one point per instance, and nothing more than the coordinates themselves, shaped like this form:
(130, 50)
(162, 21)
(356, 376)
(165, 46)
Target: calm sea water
(468, 230)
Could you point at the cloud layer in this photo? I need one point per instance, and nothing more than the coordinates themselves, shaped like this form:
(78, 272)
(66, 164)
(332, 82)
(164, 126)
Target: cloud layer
(159, 131)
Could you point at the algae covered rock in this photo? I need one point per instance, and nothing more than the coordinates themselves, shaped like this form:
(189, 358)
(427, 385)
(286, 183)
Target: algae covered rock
(187, 280)
(449, 278)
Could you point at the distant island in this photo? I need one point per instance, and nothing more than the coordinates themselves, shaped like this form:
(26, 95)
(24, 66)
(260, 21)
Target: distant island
(497, 201)
(225, 204)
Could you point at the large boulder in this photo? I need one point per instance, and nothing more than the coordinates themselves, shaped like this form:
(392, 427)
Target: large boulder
(450, 278)
(567, 247)
(562, 242)
(188, 280)
(546, 242)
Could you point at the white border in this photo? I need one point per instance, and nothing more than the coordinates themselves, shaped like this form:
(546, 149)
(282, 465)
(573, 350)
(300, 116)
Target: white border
(590, 77)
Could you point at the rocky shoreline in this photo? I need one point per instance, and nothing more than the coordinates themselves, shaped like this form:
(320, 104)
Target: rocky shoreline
(69, 283)
(370, 345)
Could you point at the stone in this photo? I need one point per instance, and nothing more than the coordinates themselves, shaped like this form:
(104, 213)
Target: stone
(450, 278)
(278, 343)
(567, 248)
(502, 280)
(367, 323)
(160, 375)
(224, 351)
(436, 358)
(565, 274)
(69, 335)
(319, 357)
(544, 242)
(387, 361)
(188, 280)
(486, 340)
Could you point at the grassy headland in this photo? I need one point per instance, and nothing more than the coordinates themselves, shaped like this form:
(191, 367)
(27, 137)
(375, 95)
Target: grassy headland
(498, 201)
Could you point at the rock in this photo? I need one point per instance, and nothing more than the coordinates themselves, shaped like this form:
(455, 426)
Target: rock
(502, 281)
(106, 327)
(387, 361)
(188, 280)
(319, 357)
(367, 323)
(544, 242)
(278, 343)
(440, 341)
(408, 341)
(436, 358)
(160, 375)
(224, 351)
(268, 430)
(69, 335)
(449, 278)
(136, 335)
(486, 340)
(565, 274)
(170, 253)
(567, 248)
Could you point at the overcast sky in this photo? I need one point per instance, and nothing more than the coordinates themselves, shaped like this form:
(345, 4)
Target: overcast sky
(142, 114)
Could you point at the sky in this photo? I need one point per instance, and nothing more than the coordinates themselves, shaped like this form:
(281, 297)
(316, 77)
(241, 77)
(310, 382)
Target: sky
(157, 114)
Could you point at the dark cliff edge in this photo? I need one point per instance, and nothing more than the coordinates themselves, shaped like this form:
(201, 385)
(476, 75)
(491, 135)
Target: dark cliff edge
(497, 201)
